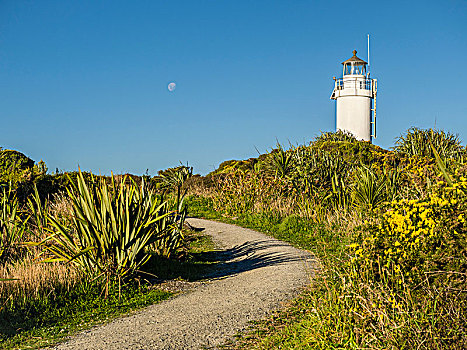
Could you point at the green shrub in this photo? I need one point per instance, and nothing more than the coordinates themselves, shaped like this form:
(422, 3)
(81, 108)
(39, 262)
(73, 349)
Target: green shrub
(413, 265)
(15, 168)
(417, 142)
(338, 136)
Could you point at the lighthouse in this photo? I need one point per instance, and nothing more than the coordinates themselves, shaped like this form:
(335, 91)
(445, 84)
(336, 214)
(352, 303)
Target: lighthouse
(355, 95)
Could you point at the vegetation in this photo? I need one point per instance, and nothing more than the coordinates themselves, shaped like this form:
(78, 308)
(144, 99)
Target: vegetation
(42, 322)
(15, 166)
(12, 227)
(76, 249)
(174, 179)
(389, 229)
(417, 142)
(109, 230)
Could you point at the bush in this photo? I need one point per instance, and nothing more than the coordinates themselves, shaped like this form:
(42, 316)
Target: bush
(408, 273)
(15, 168)
(339, 136)
(417, 142)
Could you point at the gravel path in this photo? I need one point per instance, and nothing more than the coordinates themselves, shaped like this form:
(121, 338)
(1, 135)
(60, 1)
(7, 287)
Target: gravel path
(256, 275)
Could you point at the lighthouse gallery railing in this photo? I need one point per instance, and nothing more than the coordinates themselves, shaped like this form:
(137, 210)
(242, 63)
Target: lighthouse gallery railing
(353, 83)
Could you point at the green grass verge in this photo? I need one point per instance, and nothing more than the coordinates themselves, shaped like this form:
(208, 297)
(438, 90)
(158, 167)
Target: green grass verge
(43, 322)
(299, 232)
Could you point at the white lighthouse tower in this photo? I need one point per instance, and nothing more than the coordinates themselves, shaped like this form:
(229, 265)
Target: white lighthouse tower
(355, 95)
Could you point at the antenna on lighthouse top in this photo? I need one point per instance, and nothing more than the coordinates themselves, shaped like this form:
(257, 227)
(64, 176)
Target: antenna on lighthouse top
(368, 55)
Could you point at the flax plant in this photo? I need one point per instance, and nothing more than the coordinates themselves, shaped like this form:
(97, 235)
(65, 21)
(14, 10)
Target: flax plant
(171, 228)
(281, 162)
(322, 174)
(12, 226)
(110, 228)
(39, 210)
(419, 142)
(369, 189)
(174, 179)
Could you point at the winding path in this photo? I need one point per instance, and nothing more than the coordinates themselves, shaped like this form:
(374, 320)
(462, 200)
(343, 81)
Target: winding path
(256, 274)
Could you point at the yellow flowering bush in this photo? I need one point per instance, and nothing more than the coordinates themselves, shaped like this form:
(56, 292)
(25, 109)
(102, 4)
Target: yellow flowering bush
(417, 238)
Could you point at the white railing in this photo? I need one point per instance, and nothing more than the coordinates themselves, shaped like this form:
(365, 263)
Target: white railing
(354, 83)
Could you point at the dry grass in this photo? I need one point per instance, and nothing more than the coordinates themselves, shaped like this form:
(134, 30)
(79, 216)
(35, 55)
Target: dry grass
(285, 206)
(34, 279)
(61, 205)
(199, 189)
(346, 221)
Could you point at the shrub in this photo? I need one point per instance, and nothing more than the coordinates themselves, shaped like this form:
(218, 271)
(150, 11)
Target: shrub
(15, 168)
(417, 142)
(408, 273)
(339, 136)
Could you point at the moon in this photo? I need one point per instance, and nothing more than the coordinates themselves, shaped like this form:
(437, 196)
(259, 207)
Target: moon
(171, 87)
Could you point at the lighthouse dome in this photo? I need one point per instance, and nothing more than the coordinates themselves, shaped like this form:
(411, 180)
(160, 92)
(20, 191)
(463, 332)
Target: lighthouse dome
(354, 65)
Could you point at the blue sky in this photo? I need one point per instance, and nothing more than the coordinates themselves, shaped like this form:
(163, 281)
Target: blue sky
(85, 82)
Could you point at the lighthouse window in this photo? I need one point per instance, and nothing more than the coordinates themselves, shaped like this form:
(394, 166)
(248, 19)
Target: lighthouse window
(348, 69)
(351, 69)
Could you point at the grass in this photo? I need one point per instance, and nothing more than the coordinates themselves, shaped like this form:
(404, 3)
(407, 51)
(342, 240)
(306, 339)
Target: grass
(288, 328)
(201, 207)
(195, 263)
(43, 322)
(46, 320)
(300, 232)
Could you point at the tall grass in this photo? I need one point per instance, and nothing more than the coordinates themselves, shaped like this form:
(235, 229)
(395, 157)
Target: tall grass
(25, 278)
(30, 280)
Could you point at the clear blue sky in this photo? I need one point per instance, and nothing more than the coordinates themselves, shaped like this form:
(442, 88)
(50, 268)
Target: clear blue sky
(85, 82)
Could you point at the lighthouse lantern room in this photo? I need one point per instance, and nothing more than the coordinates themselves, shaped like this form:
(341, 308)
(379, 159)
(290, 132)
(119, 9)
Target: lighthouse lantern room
(355, 95)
